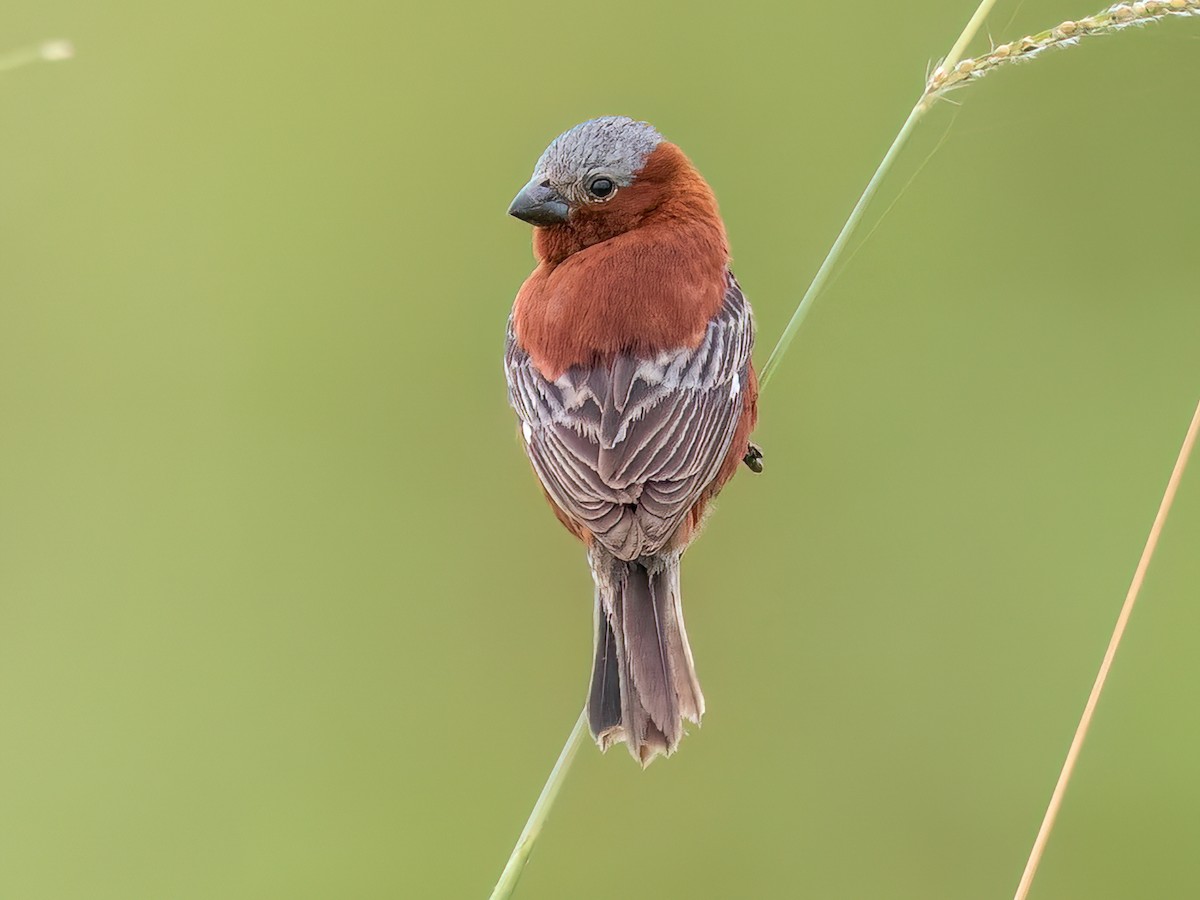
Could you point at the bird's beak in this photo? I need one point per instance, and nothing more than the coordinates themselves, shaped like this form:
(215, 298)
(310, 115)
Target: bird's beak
(539, 204)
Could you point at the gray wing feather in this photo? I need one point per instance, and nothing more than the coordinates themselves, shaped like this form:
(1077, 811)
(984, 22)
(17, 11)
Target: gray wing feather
(626, 449)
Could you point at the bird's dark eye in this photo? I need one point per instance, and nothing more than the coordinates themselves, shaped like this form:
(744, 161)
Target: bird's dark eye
(601, 187)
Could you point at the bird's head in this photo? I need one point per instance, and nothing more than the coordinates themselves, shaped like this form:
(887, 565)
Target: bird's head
(605, 177)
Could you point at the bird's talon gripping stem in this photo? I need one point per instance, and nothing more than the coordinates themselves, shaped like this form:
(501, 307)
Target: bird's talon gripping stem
(753, 458)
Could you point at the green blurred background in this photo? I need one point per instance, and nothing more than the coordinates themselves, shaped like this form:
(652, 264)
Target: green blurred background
(282, 613)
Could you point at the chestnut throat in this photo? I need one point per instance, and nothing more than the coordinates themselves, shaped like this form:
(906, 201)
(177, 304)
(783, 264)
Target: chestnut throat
(641, 274)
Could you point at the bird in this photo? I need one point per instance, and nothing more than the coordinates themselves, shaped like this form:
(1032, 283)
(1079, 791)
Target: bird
(628, 364)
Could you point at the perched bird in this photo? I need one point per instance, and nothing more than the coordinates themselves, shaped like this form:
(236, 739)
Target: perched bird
(628, 364)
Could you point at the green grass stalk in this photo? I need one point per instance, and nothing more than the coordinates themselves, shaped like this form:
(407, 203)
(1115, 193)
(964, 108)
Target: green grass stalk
(533, 827)
(954, 71)
(839, 245)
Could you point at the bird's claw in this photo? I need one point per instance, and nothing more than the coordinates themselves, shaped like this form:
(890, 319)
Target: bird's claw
(753, 458)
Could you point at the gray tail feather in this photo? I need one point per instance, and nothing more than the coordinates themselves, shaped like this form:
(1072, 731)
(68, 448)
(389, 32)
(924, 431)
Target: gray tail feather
(643, 679)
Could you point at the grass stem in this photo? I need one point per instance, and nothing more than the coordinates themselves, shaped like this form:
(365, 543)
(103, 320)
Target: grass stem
(839, 244)
(533, 827)
(968, 33)
(951, 72)
(864, 200)
(49, 51)
(1089, 709)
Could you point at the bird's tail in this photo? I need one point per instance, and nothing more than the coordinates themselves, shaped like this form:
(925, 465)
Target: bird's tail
(643, 680)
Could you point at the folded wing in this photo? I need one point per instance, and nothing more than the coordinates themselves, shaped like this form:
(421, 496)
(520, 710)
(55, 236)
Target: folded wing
(626, 449)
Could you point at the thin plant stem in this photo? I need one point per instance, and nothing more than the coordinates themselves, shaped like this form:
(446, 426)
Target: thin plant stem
(49, 51)
(856, 214)
(956, 72)
(520, 855)
(835, 252)
(973, 26)
(952, 72)
(1085, 721)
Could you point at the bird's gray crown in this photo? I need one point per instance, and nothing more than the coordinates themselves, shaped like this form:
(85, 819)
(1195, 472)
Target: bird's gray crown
(615, 145)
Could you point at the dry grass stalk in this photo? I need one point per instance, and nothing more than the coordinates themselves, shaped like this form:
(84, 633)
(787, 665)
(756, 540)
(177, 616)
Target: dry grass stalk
(49, 51)
(1089, 709)
(953, 72)
(1065, 34)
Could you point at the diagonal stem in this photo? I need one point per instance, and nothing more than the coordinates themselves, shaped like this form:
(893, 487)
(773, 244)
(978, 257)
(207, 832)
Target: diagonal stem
(50, 51)
(1085, 721)
(835, 252)
(520, 855)
(856, 214)
(940, 80)
(973, 26)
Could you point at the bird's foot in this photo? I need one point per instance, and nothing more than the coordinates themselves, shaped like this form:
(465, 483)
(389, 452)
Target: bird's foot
(753, 457)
